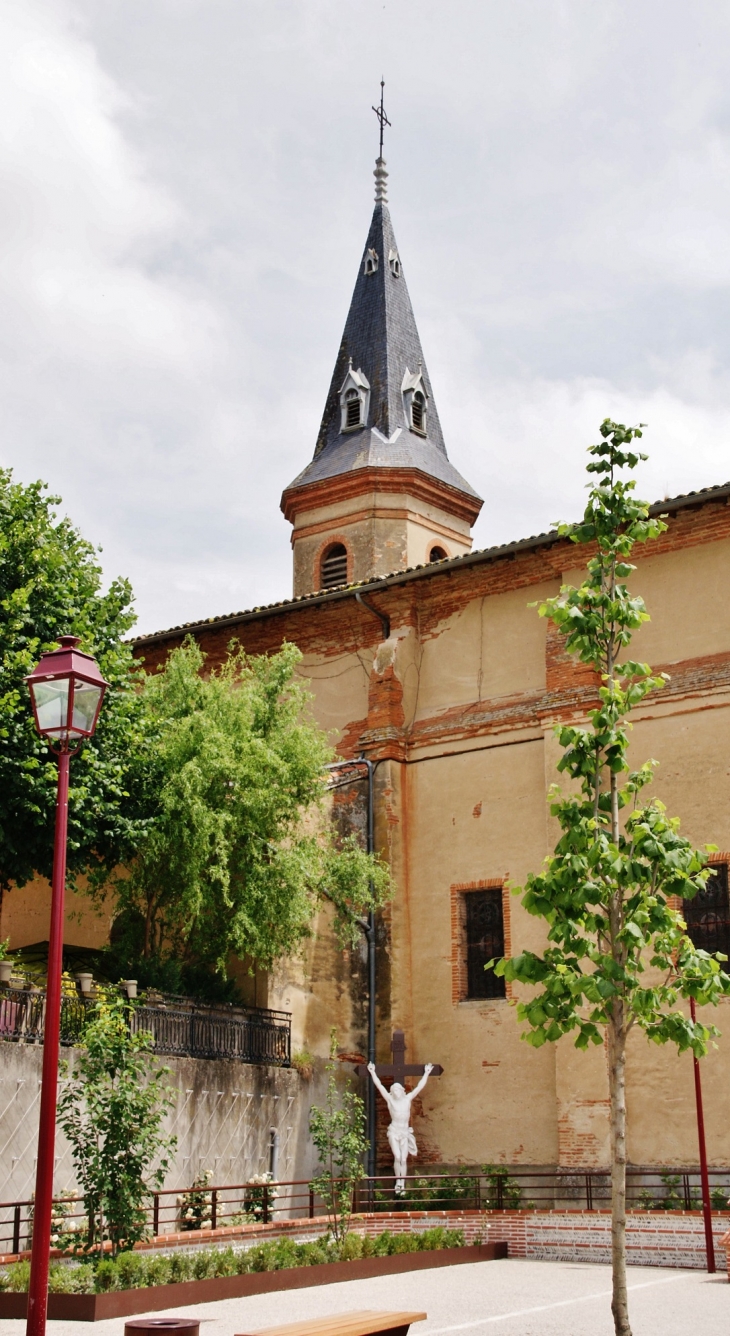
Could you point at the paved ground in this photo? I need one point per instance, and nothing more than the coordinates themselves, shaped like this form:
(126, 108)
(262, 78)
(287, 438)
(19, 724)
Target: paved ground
(509, 1298)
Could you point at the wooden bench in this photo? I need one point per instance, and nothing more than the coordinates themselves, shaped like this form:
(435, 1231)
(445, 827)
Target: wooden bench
(366, 1323)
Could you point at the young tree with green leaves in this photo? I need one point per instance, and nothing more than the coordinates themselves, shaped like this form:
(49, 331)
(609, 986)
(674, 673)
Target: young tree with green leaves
(618, 954)
(111, 1110)
(51, 585)
(236, 856)
(338, 1133)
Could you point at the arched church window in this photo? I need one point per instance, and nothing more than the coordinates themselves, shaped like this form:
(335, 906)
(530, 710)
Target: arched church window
(353, 405)
(334, 567)
(418, 412)
(371, 261)
(437, 554)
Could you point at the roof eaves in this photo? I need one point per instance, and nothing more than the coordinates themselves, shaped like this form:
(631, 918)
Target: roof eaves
(485, 554)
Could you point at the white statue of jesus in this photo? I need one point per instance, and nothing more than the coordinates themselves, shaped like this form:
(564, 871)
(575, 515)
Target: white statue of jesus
(400, 1133)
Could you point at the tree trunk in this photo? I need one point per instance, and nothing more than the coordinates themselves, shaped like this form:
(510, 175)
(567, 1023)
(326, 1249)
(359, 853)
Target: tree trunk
(617, 1094)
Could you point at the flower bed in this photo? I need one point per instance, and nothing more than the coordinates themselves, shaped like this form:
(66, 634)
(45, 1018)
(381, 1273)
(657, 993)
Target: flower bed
(136, 1283)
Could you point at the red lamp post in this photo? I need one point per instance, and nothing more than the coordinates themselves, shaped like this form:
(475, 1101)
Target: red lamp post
(704, 1176)
(66, 690)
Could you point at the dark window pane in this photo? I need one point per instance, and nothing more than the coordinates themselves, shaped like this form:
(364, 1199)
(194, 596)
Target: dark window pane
(708, 915)
(484, 941)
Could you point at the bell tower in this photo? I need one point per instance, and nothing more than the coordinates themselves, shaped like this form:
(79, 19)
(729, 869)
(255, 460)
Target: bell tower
(380, 494)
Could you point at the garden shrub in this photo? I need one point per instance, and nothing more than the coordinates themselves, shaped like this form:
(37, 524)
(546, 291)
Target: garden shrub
(131, 1270)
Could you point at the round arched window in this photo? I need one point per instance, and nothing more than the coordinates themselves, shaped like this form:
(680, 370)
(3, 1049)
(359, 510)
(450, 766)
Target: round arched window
(437, 554)
(334, 567)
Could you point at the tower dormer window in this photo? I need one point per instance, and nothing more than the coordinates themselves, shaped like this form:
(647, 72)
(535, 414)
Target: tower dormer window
(333, 571)
(353, 408)
(371, 261)
(394, 263)
(415, 401)
(354, 400)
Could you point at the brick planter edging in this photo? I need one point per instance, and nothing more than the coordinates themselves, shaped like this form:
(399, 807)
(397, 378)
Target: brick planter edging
(123, 1303)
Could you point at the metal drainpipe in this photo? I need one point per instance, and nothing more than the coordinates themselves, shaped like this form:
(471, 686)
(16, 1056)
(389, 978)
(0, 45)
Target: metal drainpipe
(368, 928)
(372, 994)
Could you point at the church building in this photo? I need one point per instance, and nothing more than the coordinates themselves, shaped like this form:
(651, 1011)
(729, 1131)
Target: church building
(425, 658)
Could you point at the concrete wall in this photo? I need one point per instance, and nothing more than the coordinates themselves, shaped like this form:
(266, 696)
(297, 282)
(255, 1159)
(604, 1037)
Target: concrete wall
(222, 1116)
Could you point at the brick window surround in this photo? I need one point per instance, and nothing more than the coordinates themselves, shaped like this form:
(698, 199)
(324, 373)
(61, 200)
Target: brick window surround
(459, 974)
(708, 915)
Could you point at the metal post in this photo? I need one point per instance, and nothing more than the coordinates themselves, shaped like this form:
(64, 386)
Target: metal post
(706, 1203)
(214, 1209)
(155, 1214)
(43, 1204)
(16, 1229)
(371, 1106)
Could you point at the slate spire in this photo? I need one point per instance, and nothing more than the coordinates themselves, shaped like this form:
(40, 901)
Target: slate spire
(380, 343)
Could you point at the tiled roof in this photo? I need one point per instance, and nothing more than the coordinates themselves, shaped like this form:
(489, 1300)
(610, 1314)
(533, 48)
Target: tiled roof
(668, 505)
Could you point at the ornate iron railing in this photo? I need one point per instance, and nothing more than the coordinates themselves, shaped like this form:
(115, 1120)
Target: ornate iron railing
(179, 1026)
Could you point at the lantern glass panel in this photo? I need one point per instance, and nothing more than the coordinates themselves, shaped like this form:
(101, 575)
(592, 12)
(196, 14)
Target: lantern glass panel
(86, 704)
(51, 705)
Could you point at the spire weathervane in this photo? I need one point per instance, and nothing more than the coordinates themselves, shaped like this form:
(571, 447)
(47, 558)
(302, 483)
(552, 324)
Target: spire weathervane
(380, 174)
(380, 113)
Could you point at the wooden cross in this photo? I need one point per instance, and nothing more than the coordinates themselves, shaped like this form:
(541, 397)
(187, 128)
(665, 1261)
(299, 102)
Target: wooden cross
(398, 1069)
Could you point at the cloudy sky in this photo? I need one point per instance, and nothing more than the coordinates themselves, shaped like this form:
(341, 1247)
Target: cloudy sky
(186, 188)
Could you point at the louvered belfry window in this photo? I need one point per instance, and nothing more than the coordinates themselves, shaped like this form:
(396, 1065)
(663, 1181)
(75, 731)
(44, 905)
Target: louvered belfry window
(334, 567)
(353, 408)
(708, 915)
(484, 933)
(418, 412)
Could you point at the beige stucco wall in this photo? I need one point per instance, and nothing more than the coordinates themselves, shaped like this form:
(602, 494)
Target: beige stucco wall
(25, 916)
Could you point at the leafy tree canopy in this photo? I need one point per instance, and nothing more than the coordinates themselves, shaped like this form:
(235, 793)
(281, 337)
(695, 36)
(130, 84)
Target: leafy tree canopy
(51, 585)
(234, 859)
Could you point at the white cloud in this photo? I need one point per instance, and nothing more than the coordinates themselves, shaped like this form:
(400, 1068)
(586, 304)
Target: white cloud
(184, 192)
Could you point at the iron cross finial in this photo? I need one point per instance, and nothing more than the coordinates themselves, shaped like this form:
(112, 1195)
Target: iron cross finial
(380, 113)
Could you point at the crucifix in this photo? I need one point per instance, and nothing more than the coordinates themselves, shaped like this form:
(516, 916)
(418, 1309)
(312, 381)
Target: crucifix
(400, 1133)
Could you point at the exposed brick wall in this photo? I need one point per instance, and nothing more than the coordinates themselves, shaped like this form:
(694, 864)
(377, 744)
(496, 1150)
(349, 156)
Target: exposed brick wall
(653, 1238)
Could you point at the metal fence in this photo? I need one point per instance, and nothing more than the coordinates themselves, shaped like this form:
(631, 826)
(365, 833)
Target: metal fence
(492, 1188)
(178, 1025)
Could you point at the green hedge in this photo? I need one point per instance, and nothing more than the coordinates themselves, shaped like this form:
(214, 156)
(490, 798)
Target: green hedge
(138, 1270)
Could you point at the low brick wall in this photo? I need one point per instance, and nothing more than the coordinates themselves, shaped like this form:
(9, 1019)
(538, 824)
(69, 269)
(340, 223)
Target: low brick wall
(475, 1225)
(653, 1238)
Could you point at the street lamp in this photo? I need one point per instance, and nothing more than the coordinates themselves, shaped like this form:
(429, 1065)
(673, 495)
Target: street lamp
(66, 689)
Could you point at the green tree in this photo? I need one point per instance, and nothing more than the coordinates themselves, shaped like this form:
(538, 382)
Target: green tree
(51, 585)
(337, 1131)
(618, 953)
(237, 853)
(111, 1110)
